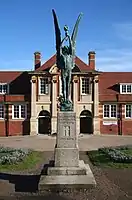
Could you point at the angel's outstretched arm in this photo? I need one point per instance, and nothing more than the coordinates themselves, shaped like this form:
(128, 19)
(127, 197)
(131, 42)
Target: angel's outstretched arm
(63, 40)
(70, 45)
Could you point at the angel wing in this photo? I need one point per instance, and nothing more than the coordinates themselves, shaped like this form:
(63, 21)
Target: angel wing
(73, 37)
(58, 38)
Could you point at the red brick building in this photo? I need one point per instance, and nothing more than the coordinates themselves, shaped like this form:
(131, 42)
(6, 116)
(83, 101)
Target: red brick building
(115, 96)
(29, 105)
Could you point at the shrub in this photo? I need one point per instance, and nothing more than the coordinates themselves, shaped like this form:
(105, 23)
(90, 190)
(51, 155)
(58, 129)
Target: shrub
(12, 156)
(117, 155)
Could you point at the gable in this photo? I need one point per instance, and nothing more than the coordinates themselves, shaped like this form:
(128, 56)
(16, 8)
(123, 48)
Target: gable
(53, 69)
(76, 69)
(79, 65)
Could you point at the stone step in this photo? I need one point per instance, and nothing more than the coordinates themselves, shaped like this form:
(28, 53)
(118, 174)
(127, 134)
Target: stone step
(61, 182)
(53, 171)
(66, 182)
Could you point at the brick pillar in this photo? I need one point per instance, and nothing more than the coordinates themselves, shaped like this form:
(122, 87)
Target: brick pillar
(37, 60)
(91, 57)
(54, 105)
(33, 119)
(96, 119)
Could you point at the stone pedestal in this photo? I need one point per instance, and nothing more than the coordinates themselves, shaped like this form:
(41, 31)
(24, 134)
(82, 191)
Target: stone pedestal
(68, 171)
(66, 151)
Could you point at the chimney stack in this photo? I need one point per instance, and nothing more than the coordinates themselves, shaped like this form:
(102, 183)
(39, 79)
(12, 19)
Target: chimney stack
(91, 57)
(37, 60)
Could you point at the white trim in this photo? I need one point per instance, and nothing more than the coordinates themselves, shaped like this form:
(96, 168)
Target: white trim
(2, 118)
(39, 86)
(7, 88)
(131, 112)
(121, 85)
(109, 111)
(39, 90)
(17, 104)
(60, 86)
(83, 94)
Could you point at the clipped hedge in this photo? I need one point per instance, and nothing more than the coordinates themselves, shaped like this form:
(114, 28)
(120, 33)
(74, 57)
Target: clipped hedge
(11, 155)
(117, 155)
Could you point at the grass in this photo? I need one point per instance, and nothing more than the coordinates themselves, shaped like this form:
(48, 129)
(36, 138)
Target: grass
(30, 162)
(128, 152)
(100, 159)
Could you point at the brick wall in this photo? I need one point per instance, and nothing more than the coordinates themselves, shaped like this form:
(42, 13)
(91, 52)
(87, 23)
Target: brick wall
(108, 129)
(19, 127)
(2, 128)
(123, 126)
(11, 127)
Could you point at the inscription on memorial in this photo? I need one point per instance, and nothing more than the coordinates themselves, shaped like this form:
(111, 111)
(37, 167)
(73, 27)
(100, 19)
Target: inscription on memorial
(67, 131)
(68, 138)
(67, 120)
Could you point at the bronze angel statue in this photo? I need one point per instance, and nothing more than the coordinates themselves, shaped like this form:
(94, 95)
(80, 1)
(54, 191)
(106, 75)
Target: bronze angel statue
(65, 58)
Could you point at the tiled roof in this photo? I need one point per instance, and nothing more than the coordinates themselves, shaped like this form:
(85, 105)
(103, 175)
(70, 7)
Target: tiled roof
(109, 86)
(81, 65)
(49, 63)
(8, 76)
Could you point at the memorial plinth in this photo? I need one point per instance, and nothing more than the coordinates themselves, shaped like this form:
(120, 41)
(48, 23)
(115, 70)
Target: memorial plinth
(68, 171)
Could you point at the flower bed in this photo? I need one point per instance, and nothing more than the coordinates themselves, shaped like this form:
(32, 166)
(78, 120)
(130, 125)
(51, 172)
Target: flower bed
(12, 156)
(117, 154)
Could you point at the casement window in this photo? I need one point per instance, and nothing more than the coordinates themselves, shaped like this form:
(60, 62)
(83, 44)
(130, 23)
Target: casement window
(85, 86)
(19, 111)
(43, 86)
(128, 111)
(126, 88)
(109, 111)
(4, 88)
(1, 111)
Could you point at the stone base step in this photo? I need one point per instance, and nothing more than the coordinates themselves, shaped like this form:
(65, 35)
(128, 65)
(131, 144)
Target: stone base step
(62, 182)
(81, 170)
(66, 182)
(53, 171)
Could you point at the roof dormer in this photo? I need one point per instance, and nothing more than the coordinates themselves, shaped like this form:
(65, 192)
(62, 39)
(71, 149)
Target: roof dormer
(125, 88)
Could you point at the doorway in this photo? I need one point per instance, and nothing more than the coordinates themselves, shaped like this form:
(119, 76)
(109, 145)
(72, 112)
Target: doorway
(44, 122)
(86, 122)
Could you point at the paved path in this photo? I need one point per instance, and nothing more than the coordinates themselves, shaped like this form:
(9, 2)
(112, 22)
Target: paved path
(47, 143)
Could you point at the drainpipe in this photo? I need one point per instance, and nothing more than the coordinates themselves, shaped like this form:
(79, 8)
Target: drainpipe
(6, 112)
(119, 117)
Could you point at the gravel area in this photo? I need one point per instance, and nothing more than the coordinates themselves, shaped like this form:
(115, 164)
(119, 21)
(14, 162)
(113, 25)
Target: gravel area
(112, 184)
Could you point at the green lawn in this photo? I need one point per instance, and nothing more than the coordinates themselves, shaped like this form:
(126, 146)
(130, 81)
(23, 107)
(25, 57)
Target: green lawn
(128, 152)
(29, 162)
(100, 159)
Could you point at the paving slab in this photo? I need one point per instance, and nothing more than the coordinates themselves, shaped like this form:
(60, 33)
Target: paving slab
(47, 143)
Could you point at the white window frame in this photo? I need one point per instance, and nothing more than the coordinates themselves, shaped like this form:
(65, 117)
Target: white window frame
(81, 86)
(21, 118)
(121, 86)
(3, 112)
(7, 88)
(109, 111)
(131, 111)
(40, 86)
